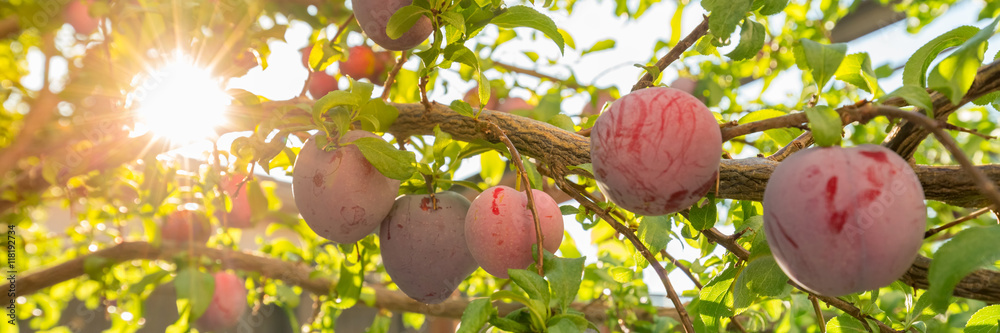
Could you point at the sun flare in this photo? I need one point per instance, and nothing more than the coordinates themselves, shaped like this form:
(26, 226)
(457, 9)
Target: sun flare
(180, 102)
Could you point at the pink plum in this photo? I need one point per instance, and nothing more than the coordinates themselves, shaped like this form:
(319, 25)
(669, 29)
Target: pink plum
(500, 229)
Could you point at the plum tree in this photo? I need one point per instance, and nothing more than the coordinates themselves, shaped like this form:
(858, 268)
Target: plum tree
(340, 195)
(321, 84)
(423, 248)
(844, 220)
(500, 229)
(238, 214)
(656, 151)
(373, 17)
(229, 301)
(77, 14)
(184, 226)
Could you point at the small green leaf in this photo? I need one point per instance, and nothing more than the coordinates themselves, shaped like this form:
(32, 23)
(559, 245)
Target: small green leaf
(462, 108)
(476, 315)
(491, 167)
(606, 44)
(568, 210)
(726, 15)
(916, 96)
(954, 75)
(845, 324)
(915, 70)
(857, 70)
(772, 7)
(621, 274)
(986, 320)
(391, 162)
(751, 40)
(348, 289)
(968, 250)
(534, 285)
(761, 276)
(821, 60)
(403, 20)
(565, 276)
(454, 19)
(703, 214)
(825, 124)
(381, 115)
(654, 231)
(524, 16)
(197, 288)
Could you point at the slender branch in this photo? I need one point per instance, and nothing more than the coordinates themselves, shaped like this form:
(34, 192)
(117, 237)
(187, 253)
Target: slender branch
(621, 229)
(647, 80)
(801, 142)
(519, 70)
(971, 216)
(516, 157)
(685, 269)
(392, 75)
(9, 25)
(819, 314)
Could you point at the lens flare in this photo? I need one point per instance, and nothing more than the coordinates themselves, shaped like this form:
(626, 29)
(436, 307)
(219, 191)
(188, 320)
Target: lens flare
(180, 102)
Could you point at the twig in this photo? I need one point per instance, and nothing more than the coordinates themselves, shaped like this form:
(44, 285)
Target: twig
(525, 71)
(527, 191)
(971, 216)
(952, 127)
(819, 314)
(647, 80)
(801, 142)
(685, 319)
(392, 75)
(685, 269)
(986, 187)
(340, 28)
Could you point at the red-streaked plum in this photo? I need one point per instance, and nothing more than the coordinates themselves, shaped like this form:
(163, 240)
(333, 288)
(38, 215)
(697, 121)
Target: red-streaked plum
(185, 226)
(844, 220)
(229, 301)
(500, 229)
(423, 249)
(373, 17)
(238, 215)
(321, 84)
(340, 195)
(656, 151)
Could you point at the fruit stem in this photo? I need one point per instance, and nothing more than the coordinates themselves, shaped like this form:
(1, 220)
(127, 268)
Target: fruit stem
(514, 156)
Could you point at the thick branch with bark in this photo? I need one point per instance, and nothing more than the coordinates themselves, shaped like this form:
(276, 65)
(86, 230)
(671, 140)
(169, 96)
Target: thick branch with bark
(293, 273)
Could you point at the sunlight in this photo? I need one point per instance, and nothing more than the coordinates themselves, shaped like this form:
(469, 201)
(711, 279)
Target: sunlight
(180, 102)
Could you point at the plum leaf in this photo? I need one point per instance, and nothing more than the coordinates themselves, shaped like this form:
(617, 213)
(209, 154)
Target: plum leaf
(197, 288)
(565, 276)
(476, 315)
(822, 60)
(704, 214)
(964, 253)
(751, 40)
(825, 124)
(391, 162)
(403, 20)
(726, 15)
(844, 324)
(984, 321)
(915, 70)
(771, 7)
(953, 76)
(857, 70)
(531, 282)
(524, 16)
(916, 96)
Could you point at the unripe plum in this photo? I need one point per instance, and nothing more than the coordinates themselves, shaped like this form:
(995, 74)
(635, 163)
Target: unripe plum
(500, 229)
(423, 249)
(229, 301)
(239, 214)
(844, 220)
(360, 63)
(321, 84)
(77, 14)
(373, 17)
(185, 226)
(655, 151)
(340, 195)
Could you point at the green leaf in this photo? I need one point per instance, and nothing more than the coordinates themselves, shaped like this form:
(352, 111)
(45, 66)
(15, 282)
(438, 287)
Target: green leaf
(348, 285)
(150, 279)
(763, 277)
(403, 20)
(565, 276)
(915, 70)
(654, 231)
(524, 16)
(391, 162)
(726, 15)
(825, 124)
(703, 214)
(531, 282)
(772, 7)
(95, 266)
(845, 324)
(954, 75)
(781, 136)
(621, 274)
(968, 250)
(751, 40)
(916, 96)
(454, 19)
(986, 320)
(857, 70)
(568, 323)
(491, 167)
(822, 60)
(476, 315)
(197, 288)
(606, 44)
(462, 108)
(378, 114)
(715, 300)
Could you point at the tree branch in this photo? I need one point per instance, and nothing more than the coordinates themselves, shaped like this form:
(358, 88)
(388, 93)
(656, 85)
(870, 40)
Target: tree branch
(297, 274)
(647, 80)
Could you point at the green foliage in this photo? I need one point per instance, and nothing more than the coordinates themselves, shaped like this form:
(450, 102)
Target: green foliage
(968, 250)
(825, 125)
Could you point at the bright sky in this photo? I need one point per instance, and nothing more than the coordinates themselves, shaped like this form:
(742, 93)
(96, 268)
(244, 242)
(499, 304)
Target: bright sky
(285, 77)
